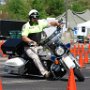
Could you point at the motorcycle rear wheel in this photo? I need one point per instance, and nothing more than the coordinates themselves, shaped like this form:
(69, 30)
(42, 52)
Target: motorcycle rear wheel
(78, 74)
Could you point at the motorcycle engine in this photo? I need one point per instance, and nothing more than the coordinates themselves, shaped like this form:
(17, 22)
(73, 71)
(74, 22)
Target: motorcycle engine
(58, 70)
(44, 54)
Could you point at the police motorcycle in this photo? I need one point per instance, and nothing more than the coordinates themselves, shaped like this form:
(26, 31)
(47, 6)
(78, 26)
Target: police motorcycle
(54, 55)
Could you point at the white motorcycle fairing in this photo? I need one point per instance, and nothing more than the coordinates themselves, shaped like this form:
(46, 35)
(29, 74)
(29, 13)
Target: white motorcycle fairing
(15, 66)
(68, 62)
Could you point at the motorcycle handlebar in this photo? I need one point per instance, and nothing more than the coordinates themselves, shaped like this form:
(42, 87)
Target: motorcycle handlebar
(32, 44)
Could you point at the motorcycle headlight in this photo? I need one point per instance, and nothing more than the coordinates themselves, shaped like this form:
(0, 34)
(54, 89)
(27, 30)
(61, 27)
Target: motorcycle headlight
(59, 50)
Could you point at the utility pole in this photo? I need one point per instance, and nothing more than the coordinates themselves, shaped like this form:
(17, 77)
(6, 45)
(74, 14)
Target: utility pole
(66, 8)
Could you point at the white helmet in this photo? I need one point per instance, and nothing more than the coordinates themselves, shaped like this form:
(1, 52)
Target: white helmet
(33, 11)
(33, 14)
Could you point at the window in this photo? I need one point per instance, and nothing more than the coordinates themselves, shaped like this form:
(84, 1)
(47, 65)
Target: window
(83, 29)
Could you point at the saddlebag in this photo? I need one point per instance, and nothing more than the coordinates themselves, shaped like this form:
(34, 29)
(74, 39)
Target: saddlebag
(12, 46)
(15, 66)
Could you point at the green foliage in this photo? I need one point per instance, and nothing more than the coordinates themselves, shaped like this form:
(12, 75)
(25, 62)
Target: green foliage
(79, 6)
(55, 7)
(49, 7)
(39, 5)
(18, 9)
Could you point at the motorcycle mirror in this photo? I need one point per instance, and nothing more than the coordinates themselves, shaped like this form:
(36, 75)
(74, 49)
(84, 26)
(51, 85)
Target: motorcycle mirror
(60, 21)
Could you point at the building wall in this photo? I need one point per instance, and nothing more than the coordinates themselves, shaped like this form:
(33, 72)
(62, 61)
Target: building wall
(7, 26)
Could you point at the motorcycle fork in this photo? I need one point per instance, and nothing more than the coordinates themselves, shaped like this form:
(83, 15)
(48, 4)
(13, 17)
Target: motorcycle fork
(64, 66)
(57, 61)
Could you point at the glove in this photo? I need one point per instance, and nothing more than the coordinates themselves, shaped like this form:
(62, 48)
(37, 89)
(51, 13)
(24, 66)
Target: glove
(33, 43)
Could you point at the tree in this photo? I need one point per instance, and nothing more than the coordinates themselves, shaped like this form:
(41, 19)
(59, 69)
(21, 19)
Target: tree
(40, 6)
(80, 5)
(55, 7)
(17, 9)
(49, 7)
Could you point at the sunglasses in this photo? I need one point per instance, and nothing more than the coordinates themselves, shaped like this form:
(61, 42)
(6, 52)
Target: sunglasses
(35, 16)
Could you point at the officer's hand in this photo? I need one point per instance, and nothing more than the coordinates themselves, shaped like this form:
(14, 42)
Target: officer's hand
(33, 43)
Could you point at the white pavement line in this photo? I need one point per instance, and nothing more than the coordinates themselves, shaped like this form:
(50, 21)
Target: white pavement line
(87, 77)
(21, 81)
(87, 68)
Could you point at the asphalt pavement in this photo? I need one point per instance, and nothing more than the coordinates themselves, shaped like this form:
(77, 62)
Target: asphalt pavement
(14, 82)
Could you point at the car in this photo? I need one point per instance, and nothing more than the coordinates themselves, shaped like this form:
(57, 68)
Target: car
(86, 40)
(80, 39)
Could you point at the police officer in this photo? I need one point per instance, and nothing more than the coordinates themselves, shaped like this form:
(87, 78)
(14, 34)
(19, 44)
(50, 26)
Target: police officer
(31, 33)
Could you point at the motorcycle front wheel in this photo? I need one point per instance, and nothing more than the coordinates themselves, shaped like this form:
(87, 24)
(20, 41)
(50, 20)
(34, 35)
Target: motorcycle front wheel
(78, 74)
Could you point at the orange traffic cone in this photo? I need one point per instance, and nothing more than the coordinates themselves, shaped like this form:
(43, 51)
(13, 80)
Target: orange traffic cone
(71, 81)
(1, 85)
(78, 49)
(82, 49)
(89, 48)
(81, 60)
(74, 50)
(71, 50)
(86, 57)
(2, 54)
